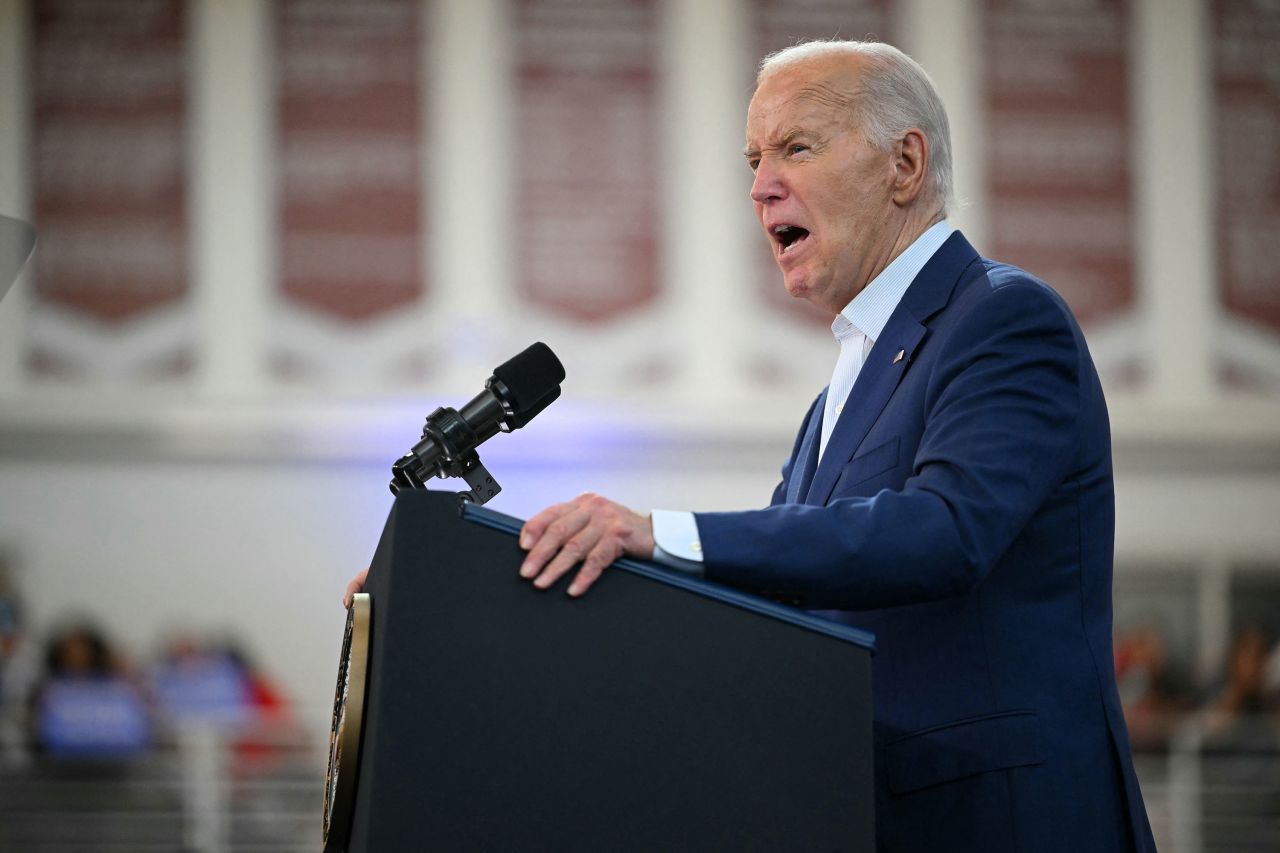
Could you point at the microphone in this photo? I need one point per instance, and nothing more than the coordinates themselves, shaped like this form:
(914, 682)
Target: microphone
(518, 390)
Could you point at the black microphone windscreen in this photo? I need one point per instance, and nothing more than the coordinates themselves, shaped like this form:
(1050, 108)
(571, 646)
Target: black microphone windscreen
(530, 375)
(523, 417)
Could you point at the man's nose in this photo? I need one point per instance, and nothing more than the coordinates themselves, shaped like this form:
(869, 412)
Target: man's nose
(768, 184)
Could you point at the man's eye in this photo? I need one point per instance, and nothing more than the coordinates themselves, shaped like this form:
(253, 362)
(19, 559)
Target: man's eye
(796, 148)
(754, 163)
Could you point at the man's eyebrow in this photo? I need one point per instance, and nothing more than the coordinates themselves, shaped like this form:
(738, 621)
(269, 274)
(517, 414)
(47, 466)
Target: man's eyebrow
(781, 140)
(792, 133)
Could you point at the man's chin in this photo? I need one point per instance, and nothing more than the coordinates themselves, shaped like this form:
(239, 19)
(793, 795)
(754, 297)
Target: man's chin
(797, 286)
(802, 289)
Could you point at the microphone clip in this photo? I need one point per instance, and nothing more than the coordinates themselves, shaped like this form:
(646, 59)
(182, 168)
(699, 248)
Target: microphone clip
(405, 475)
(483, 486)
(447, 449)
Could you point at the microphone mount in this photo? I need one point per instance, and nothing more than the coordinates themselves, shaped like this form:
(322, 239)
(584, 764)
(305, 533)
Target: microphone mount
(468, 466)
(445, 429)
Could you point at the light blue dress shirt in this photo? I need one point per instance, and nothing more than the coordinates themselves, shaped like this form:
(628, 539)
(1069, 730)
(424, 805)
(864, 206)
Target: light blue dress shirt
(856, 328)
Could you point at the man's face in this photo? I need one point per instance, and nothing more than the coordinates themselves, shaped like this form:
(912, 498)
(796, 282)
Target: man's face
(821, 192)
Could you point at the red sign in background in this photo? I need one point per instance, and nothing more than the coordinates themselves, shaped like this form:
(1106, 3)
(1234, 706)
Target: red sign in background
(1246, 51)
(779, 24)
(108, 97)
(1058, 134)
(586, 153)
(349, 155)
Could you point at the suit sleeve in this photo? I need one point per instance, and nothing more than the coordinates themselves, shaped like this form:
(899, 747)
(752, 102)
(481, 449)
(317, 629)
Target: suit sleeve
(1000, 414)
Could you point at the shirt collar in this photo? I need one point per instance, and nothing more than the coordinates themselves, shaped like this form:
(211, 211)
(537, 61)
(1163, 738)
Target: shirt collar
(870, 310)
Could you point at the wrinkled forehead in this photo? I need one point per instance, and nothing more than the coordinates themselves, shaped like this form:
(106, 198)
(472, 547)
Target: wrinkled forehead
(804, 97)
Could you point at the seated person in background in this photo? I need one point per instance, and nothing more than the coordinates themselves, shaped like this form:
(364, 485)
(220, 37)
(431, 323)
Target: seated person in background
(1243, 713)
(213, 685)
(1154, 697)
(85, 706)
(198, 683)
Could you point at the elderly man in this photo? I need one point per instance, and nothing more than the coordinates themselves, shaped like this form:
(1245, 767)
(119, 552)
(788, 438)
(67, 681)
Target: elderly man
(950, 491)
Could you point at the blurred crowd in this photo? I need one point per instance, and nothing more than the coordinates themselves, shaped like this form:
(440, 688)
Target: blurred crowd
(75, 695)
(1235, 709)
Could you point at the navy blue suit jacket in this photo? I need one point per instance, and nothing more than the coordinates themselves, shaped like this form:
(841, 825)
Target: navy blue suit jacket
(963, 511)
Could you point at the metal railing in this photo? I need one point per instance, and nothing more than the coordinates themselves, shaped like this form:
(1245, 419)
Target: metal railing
(202, 792)
(209, 793)
(1213, 794)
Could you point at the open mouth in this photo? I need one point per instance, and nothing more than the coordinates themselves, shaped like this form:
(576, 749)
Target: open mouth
(788, 236)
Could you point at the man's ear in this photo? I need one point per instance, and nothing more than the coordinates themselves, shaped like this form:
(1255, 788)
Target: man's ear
(910, 164)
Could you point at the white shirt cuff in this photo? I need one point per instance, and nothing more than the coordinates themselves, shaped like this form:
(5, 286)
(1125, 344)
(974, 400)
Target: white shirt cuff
(676, 543)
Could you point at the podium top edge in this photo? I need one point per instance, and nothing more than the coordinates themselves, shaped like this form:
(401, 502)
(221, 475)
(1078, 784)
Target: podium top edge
(698, 586)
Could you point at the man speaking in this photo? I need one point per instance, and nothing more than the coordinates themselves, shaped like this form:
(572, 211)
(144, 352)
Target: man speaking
(950, 490)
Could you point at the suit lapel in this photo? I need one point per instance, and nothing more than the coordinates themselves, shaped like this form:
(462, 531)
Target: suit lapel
(807, 459)
(875, 384)
(883, 369)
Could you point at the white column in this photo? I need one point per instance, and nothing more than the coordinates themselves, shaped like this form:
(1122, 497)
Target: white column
(704, 185)
(1213, 616)
(468, 180)
(944, 37)
(232, 193)
(205, 783)
(1177, 280)
(14, 183)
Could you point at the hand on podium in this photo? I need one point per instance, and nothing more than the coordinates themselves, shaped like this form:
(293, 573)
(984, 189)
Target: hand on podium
(356, 585)
(589, 529)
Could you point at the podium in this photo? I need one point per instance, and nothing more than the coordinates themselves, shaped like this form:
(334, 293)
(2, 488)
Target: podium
(657, 712)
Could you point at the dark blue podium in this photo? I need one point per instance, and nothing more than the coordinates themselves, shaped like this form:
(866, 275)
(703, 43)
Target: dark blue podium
(658, 712)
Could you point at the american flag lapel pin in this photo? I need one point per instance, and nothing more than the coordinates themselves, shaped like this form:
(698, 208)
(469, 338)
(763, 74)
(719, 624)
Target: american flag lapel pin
(897, 358)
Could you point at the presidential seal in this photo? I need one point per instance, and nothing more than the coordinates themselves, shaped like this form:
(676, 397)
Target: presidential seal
(344, 732)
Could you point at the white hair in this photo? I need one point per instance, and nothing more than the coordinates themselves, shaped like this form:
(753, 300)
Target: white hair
(894, 95)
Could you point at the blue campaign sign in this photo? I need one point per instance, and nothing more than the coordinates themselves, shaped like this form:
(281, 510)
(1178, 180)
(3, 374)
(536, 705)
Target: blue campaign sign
(92, 718)
(208, 689)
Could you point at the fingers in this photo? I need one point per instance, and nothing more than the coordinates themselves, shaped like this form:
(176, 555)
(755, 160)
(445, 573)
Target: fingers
(576, 550)
(600, 558)
(548, 533)
(536, 526)
(356, 585)
(589, 530)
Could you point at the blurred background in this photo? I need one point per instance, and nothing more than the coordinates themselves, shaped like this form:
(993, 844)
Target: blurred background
(275, 235)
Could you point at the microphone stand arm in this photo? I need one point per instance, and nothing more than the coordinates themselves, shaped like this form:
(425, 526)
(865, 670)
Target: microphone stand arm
(447, 449)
